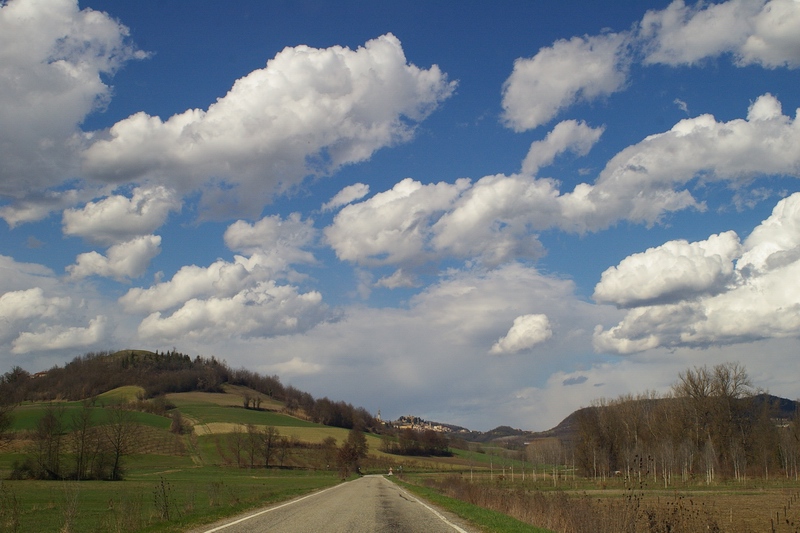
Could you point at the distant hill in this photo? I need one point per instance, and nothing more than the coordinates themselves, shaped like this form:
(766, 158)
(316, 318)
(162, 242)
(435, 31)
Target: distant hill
(567, 429)
(154, 374)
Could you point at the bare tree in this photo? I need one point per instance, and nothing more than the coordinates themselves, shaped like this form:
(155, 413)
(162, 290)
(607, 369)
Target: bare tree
(48, 439)
(81, 439)
(237, 443)
(119, 436)
(268, 442)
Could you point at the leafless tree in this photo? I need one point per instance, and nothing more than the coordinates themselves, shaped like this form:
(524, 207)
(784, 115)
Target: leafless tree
(119, 435)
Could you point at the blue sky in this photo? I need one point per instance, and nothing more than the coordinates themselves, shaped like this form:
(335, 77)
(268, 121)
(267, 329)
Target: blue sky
(473, 212)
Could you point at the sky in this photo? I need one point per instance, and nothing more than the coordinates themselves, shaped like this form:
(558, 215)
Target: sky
(480, 213)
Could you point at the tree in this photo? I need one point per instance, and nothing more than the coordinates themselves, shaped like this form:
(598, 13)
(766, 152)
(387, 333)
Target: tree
(237, 443)
(351, 451)
(81, 439)
(6, 420)
(119, 436)
(48, 438)
(268, 442)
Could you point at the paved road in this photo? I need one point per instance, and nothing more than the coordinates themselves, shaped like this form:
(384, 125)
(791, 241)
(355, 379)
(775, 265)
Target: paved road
(367, 505)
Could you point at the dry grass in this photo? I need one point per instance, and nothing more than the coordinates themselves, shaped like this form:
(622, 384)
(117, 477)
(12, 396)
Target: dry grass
(634, 510)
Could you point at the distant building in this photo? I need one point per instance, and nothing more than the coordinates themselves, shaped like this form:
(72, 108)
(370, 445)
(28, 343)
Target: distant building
(418, 424)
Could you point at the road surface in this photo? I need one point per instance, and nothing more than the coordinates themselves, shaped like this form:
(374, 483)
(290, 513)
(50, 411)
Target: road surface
(367, 505)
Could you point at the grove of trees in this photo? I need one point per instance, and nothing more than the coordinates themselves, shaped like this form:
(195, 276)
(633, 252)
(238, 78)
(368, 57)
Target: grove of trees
(76, 446)
(713, 425)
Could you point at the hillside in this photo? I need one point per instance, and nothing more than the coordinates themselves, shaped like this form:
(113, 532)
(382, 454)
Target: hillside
(156, 374)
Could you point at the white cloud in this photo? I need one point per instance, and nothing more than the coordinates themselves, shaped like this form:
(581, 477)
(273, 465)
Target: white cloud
(399, 278)
(643, 182)
(671, 272)
(283, 239)
(567, 136)
(17, 276)
(493, 220)
(349, 194)
(36, 205)
(17, 308)
(61, 337)
(762, 301)
(776, 39)
(526, 332)
(122, 261)
(263, 310)
(754, 31)
(52, 55)
(308, 112)
(117, 219)
(392, 226)
(221, 279)
(581, 69)
(496, 219)
(775, 242)
(685, 35)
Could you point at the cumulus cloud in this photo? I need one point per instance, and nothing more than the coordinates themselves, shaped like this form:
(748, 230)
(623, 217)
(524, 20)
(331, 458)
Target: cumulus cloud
(567, 136)
(495, 219)
(282, 239)
(644, 181)
(54, 57)
(308, 112)
(18, 307)
(264, 310)
(347, 195)
(580, 69)
(673, 271)
(762, 301)
(122, 261)
(37, 205)
(392, 226)
(526, 332)
(117, 219)
(221, 279)
(61, 337)
(753, 31)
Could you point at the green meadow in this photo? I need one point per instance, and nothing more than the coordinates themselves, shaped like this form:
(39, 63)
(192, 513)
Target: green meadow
(173, 481)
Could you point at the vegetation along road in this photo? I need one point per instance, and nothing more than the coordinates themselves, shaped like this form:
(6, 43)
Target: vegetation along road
(368, 504)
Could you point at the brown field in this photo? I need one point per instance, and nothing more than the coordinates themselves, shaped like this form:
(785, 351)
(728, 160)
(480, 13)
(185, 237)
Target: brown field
(752, 507)
(733, 511)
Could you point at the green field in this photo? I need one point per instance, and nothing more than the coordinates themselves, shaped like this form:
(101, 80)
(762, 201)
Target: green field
(173, 482)
(155, 496)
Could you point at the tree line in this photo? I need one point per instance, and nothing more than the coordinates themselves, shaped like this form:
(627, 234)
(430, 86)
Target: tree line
(412, 442)
(712, 425)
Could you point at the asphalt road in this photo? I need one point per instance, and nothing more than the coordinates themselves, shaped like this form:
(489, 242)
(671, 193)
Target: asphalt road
(367, 505)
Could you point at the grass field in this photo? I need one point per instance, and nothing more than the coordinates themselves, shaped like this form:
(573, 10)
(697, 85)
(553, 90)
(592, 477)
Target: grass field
(172, 482)
(156, 496)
